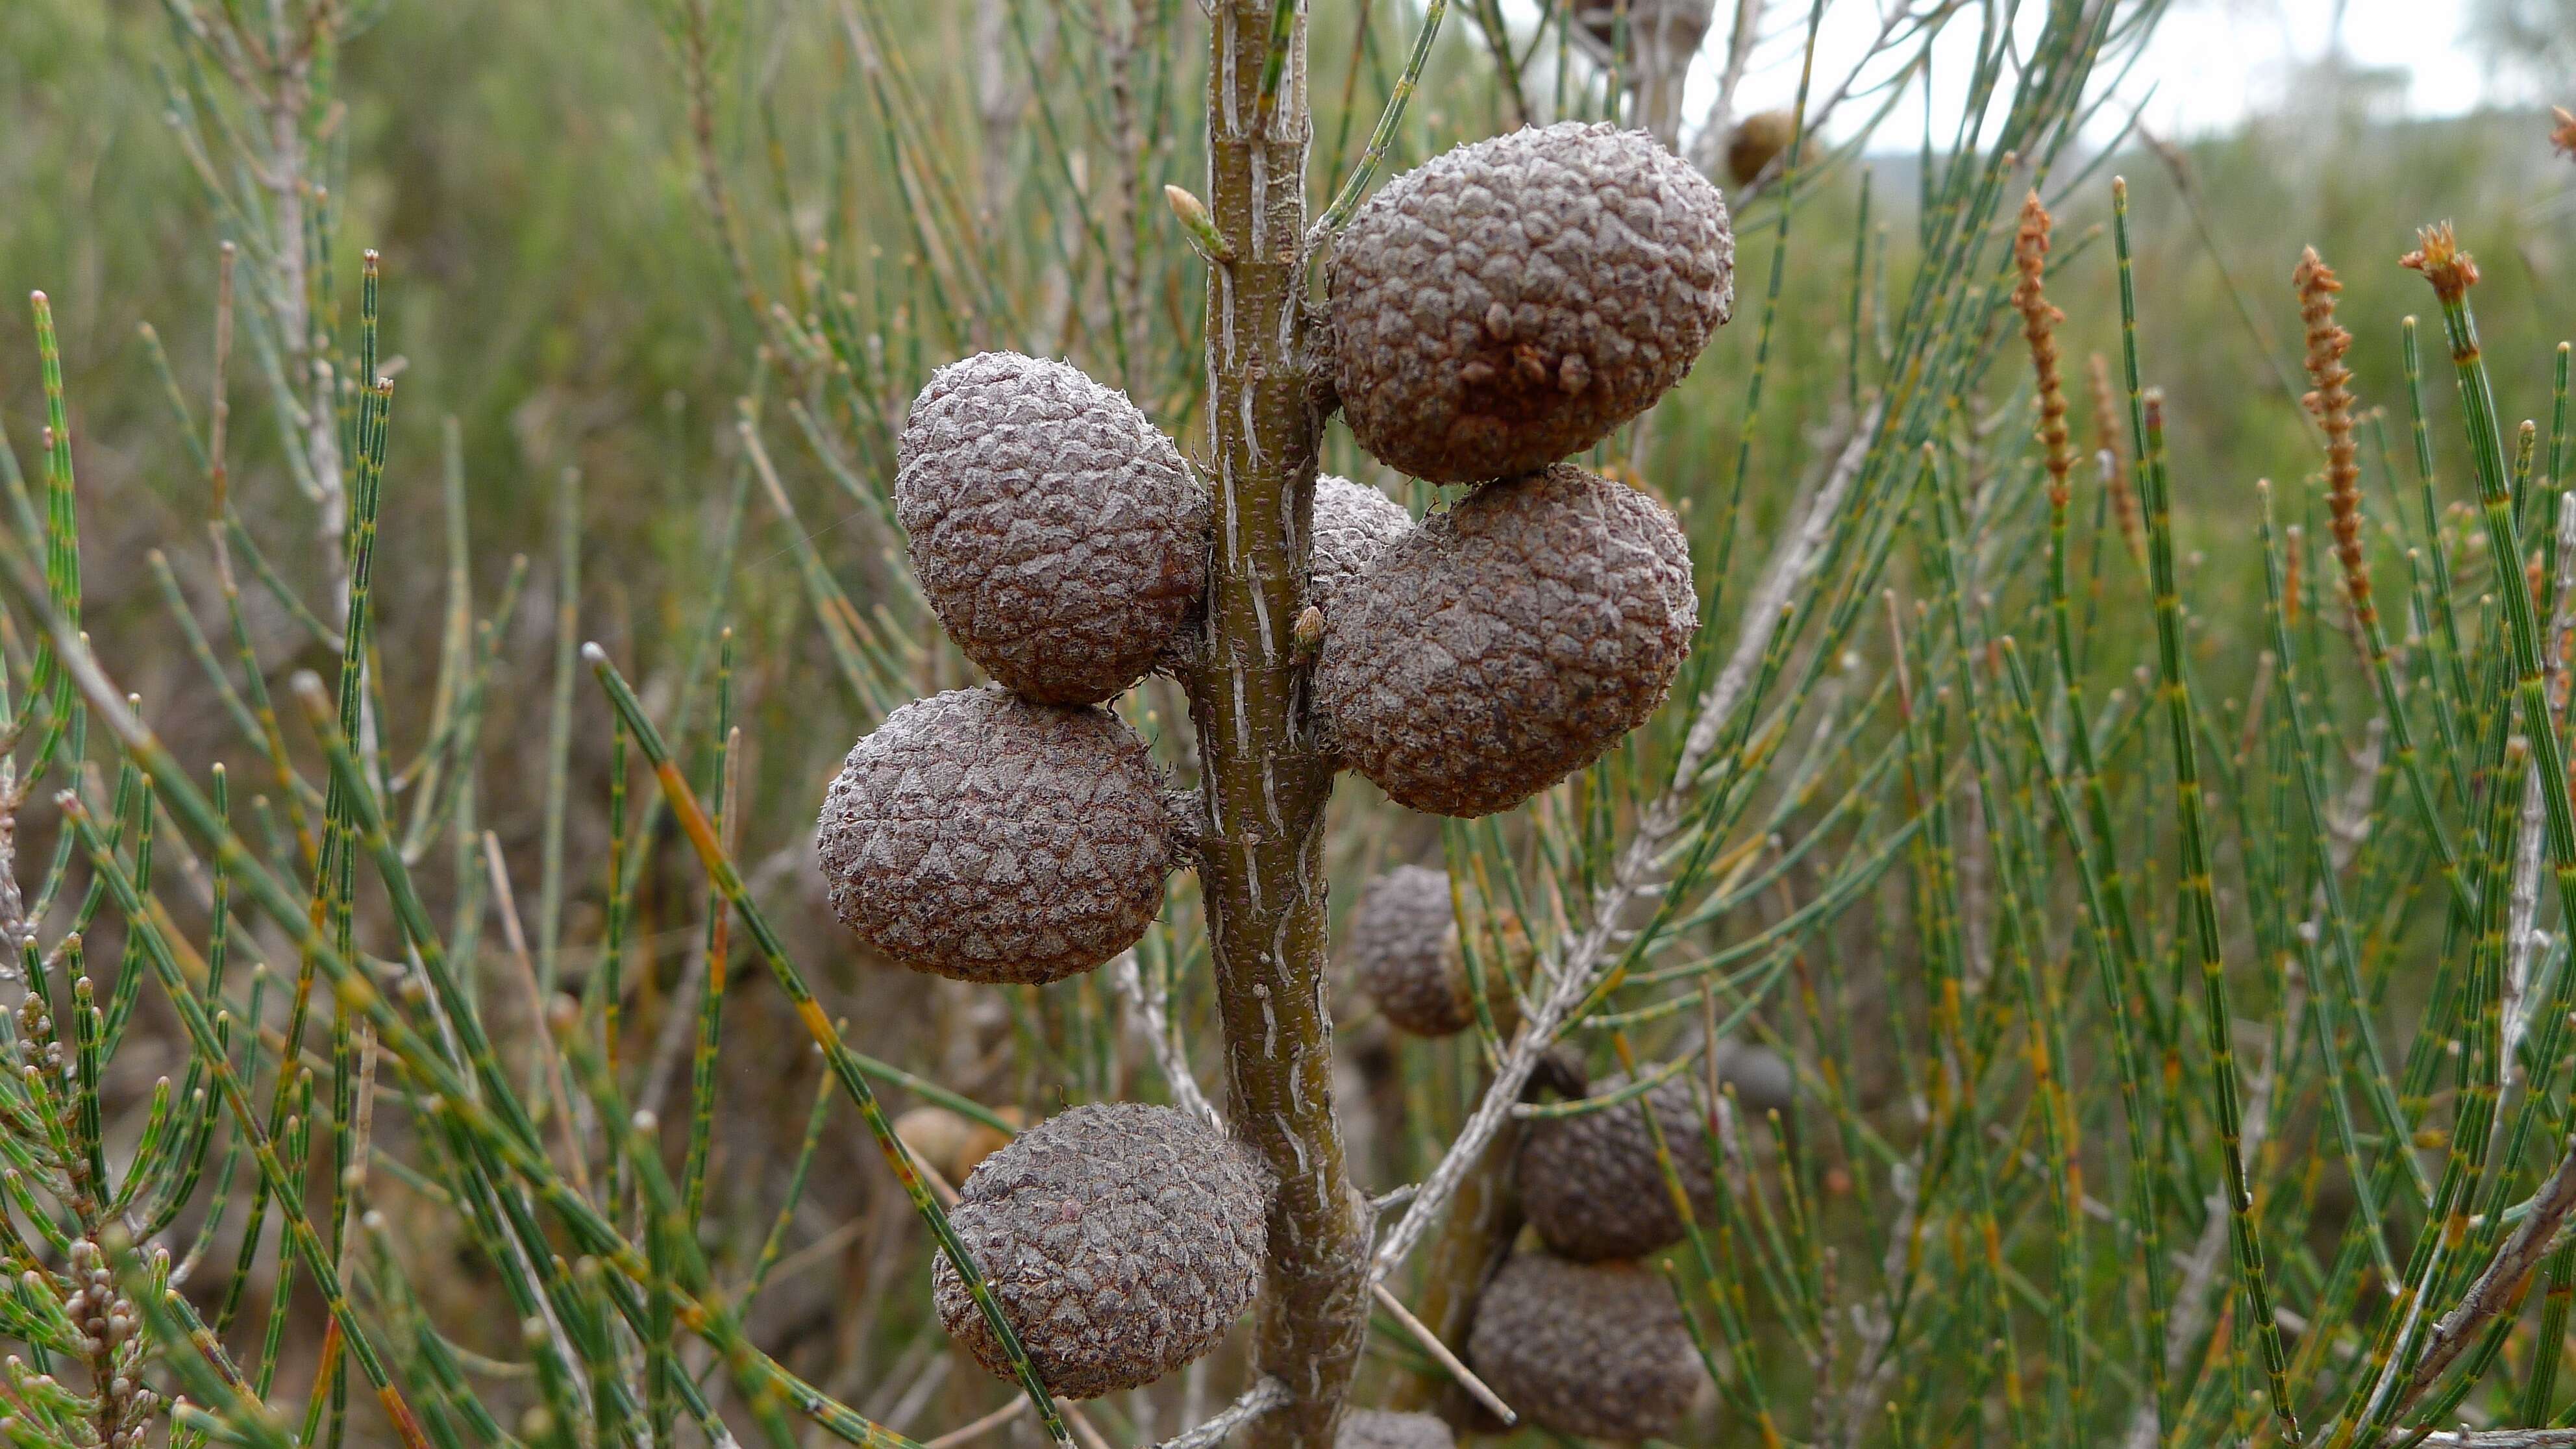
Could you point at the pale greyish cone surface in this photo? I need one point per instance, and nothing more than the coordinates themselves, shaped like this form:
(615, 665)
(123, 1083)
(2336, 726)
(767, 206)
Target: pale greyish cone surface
(1400, 939)
(1121, 1240)
(1385, 1429)
(1762, 1079)
(1055, 531)
(1354, 527)
(1590, 1183)
(985, 837)
(1510, 302)
(1595, 1350)
(1508, 642)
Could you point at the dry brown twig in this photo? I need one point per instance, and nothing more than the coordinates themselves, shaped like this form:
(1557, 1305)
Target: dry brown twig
(2500, 1284)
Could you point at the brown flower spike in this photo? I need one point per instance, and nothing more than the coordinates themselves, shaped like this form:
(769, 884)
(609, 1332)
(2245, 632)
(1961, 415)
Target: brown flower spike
(2563, 135)
(2331, 404)
(2106, 428)
(2039, 328)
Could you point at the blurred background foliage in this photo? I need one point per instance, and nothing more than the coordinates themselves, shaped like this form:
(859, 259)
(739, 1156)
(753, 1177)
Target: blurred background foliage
(526, 172)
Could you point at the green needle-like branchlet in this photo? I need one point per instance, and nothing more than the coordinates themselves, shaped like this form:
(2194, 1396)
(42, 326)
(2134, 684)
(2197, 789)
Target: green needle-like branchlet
(847, 1067)
(2201, 920)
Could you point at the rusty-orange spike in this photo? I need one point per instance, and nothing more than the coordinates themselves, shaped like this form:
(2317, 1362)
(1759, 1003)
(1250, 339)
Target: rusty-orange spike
(2039, 328)
(2330, 402)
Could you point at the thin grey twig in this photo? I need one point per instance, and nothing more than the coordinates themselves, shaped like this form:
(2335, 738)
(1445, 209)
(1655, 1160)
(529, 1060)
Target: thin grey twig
(1863, 1403)
(1739, 57)
(2191, 1299)
(1154, 1023)
(1449, 1362)
(504, 897)
(2524, 936)
(978, 1428)
(1260, 1399)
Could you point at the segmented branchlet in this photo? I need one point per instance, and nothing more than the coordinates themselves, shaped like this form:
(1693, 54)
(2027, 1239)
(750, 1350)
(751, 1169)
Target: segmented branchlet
(2446, 638)
(2056, 1123)
(307, 1244)
(2479, 1051)
(846, 1065)
(62, 532)
(2245, 1244)
(611, 990)
(2245, 1234)
(330, 900)
(1743, 1386)
(504, 1145)
(2115, 945)
(2452, 272)
(2337, 1016)
(1384, 132)
(2542, 1387)
(1957, 1125)
(2384, 669)
(2344, 996)
(727, 819)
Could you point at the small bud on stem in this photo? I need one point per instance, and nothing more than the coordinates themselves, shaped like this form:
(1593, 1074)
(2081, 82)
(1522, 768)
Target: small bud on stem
(1200, 227)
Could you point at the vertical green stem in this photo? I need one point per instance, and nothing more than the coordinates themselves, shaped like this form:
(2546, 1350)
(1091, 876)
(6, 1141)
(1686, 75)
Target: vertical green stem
(2200, 906)
(2245, 1240)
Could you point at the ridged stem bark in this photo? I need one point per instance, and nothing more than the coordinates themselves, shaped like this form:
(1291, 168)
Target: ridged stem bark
(1266, 777)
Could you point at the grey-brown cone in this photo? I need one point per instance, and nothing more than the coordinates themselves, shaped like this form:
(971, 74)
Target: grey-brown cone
(1354, 527)
(1508, 303)
(1623, 30)
(1596, 1350)
(1386, 1429)
(1401, 939)
(989, 838)
(1507, 642)
(1055, 531)
(1121, 1242)
(1590, 1184)
(1762, 1079)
